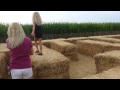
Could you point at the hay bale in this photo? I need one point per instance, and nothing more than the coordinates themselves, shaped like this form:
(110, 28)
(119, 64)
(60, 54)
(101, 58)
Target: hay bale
(113, 73)
(74, 39)
(112, 47)
(3, 48)
(111, 40)
(4, 60)
(114, 36)
(3, 66)
(47, 42)
(59, 39)
(103, 36)
(67, 49)
(51, 65)
(107, 60)
(91, 47)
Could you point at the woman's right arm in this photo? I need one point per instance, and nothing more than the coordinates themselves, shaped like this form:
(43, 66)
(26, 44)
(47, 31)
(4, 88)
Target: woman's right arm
(33, 29)
(31, 51)
(31, 48)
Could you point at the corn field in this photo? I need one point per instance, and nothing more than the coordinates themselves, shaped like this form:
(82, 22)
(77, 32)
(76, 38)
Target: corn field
(65, 30)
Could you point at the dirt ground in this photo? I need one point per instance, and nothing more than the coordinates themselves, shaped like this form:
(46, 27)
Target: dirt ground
(85, 66)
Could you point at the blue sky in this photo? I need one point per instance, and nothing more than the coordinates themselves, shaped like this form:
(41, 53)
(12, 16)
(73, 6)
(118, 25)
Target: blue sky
(25, 17)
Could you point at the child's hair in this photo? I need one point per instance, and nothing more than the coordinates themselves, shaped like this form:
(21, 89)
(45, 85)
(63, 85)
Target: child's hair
(16, 35)
(37, 18)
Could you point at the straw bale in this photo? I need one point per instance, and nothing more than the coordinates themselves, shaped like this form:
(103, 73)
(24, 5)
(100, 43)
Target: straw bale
(51, 64)
(113, 73)
(111, 40)
(46, 42)
(112, 47)
(3, 66)
(67, 49)
(63, 47)
(107, 60)
(3, 48)
(113, 36)
(91, 47)
(59, 39)
(103, 36)
(74, 39)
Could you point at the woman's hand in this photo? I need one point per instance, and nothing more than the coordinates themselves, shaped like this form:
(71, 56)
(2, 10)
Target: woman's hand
(33, 34)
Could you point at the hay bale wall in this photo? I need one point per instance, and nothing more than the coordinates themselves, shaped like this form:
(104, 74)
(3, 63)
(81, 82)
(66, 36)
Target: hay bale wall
(47, 42)
(90, 47)
(4, 61)
(67, 49)
(3, 66)
(113, 36)
(51, 65)
(111, 40)
(74, 39)
(113, 73)
(107, 60)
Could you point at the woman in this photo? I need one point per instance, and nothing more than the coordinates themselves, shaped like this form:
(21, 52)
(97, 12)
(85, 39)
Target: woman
(37, 32)
(20, 50)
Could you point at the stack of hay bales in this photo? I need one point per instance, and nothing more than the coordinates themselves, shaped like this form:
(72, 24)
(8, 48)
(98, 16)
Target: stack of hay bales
(3, 66)
(4, 60)
(67, 49)
(91, 47)
(107, 60)
(51, 65)
(113, 36)
(103, 36)
(47, 42)
(3, 48)
(113, 73)
(74, 39)
(111, 40)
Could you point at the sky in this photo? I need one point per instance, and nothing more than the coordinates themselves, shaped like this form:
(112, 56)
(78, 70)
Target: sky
(25, 17)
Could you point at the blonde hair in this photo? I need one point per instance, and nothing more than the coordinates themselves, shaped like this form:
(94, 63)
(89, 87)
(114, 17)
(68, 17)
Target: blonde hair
(37, 18)
(16, 35)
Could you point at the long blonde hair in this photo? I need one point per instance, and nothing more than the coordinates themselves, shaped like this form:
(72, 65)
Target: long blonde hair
(16, 35)
(37, 18)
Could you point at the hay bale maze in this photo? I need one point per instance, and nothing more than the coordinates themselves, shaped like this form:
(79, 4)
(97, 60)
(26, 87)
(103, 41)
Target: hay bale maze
(94, 57)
